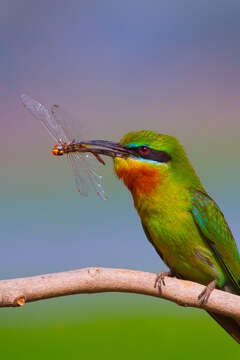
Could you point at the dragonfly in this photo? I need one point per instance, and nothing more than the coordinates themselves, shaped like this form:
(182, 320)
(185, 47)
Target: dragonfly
(83, 165)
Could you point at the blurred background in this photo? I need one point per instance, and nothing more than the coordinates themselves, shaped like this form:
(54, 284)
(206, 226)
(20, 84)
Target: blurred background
(171, 66)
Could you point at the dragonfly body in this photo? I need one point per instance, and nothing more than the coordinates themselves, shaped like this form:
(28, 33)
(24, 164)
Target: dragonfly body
(61, 149)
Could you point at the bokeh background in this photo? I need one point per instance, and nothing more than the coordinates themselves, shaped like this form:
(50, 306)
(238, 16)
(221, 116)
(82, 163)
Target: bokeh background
(116, 66)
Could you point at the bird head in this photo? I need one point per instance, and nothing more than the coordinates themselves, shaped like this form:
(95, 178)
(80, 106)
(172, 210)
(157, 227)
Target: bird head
(145, 160)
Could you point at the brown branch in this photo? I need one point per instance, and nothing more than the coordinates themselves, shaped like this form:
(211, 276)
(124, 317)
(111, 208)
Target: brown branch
(16, 292)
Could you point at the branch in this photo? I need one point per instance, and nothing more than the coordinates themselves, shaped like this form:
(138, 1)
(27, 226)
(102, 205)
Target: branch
(16, 292)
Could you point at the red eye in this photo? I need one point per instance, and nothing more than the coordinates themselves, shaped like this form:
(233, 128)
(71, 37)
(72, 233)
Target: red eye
(144, 150)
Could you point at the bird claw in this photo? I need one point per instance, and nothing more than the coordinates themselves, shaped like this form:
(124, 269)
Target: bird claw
(160, 279)
(204, 295)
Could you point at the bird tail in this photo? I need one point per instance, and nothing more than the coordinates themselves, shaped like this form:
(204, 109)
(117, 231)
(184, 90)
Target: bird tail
(230, 325)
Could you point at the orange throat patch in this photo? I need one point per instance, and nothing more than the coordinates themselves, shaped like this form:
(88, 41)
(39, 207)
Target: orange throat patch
(139, 177)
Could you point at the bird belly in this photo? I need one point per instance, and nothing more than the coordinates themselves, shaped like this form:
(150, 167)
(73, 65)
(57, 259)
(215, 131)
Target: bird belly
(184, 249)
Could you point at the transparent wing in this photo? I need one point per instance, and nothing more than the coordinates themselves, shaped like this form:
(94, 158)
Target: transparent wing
(85, 174)
(80, 178)
(70, 124)
(47, 118)
(64, 121)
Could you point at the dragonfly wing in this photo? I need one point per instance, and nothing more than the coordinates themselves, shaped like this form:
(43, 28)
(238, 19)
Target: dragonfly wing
(46, 117)
(64, 121)
(88, 166)
(80, 178)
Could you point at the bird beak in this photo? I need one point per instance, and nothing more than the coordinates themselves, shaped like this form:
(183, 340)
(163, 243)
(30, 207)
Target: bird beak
(108, 148)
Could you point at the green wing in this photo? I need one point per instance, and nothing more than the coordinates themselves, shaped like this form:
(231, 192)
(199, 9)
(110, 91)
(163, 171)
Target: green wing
(215, 229)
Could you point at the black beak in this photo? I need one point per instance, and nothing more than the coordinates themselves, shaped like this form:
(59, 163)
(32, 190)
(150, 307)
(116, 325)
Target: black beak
(108, 148)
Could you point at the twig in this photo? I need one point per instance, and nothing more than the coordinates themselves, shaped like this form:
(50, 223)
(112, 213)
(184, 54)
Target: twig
(16, 292)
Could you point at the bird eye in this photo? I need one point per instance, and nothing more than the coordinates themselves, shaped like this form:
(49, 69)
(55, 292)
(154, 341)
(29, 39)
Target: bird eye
(144, 150)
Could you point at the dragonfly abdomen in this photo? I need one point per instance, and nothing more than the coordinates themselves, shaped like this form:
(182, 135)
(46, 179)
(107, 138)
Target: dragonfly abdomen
(59, 150)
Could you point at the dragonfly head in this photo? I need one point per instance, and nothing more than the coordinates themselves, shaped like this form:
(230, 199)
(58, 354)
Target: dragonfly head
(57, 150)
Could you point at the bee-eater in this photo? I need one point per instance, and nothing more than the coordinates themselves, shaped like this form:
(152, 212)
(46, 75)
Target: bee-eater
(181, 221)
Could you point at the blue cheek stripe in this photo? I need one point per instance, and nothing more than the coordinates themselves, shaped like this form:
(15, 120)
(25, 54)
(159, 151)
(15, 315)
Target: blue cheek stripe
(135, 145)
(149, 161)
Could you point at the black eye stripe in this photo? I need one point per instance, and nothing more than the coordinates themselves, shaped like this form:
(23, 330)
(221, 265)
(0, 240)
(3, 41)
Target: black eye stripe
(152, 154)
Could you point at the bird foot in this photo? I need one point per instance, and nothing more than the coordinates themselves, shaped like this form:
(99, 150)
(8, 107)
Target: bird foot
(204, 295)
(160, 278)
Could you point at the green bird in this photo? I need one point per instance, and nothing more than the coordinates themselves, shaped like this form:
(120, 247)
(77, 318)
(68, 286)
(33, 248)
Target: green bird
(181, 221)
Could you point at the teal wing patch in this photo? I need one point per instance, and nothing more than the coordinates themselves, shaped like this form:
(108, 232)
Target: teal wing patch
(215, 229)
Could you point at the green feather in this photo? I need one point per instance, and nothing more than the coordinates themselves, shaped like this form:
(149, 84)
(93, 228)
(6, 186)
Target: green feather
(215, 229)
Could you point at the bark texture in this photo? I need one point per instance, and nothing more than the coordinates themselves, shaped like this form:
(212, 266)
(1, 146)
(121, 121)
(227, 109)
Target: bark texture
(17, 292)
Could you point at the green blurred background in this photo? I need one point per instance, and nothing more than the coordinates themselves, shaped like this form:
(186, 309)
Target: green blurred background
(170, 66)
